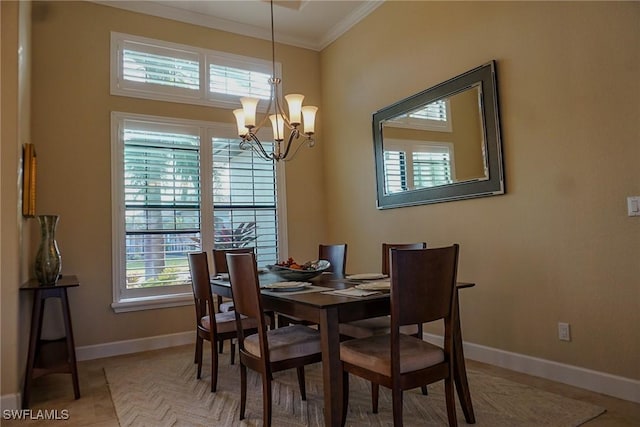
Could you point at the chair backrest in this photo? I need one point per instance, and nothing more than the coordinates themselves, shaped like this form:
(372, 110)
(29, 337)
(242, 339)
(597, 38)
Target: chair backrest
(336, 255)
(423, 285)
(386, 247)
(245, 290)
(203, 299)
(220, 258)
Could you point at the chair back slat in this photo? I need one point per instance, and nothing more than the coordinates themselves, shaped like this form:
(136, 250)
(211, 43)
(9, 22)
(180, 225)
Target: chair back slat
(199, 268)
(336, 255)
(423, 283)
(386, 247)
(245, 287)
(220, 258)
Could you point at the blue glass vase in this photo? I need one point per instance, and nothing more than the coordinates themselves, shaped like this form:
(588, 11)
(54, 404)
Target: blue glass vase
(48, 260)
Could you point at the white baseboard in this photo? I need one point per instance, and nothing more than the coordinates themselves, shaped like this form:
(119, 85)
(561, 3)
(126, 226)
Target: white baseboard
(10, 401)
(117, 348)
(599, 382)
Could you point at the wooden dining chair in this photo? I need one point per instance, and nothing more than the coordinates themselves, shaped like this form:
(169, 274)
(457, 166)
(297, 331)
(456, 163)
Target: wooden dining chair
(336, 255)
(423, 286)
(220, 267)
(266, 351)
(381, 325)
(211, 325)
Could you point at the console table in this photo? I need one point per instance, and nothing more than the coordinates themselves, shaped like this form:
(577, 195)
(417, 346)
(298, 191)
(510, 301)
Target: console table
(50, 356)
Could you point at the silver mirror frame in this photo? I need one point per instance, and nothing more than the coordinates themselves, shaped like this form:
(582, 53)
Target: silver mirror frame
(493, 185)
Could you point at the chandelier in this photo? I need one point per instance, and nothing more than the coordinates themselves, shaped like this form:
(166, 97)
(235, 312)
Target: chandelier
(298, 115)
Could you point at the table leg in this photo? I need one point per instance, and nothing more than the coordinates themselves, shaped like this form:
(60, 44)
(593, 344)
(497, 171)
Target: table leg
(460, 370)
(331, 367)
(71, 348)
(34, 337)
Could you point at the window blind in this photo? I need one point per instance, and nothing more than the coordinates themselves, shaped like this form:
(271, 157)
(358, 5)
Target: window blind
(244, 201)
(435, 111)
(162, 206)
(161, 66)
(431, 168)
(395, 171)
(238, 82)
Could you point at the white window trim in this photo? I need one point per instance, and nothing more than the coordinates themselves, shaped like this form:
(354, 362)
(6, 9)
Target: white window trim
(121, 87)
(127, 300)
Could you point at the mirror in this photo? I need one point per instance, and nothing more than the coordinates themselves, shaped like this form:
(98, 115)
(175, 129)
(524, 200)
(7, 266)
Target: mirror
(441, 144)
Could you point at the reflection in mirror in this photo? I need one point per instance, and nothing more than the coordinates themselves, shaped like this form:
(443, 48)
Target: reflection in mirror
(436, 144)
(441, 144)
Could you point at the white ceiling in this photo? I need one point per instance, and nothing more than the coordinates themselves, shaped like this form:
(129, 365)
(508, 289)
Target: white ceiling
(312, 24)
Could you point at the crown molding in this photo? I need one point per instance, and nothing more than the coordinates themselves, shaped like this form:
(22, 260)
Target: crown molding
(181, 15)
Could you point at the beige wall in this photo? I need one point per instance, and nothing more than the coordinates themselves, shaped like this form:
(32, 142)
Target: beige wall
(559, 245)
(15, 124)
(71, 131)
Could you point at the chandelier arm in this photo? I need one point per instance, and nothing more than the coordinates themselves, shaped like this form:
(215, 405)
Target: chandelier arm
(264, 119)
(310, 142)
(295, 134)
(252, 142)
(257, 144)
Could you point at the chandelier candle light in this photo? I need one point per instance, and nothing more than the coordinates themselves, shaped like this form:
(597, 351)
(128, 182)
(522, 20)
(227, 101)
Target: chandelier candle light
(246, 119)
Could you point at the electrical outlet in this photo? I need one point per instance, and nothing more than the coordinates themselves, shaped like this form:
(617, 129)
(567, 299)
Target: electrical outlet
(564, 331)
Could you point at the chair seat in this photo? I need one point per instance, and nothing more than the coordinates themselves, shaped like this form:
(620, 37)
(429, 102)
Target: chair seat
(374, 326)
(286, 343)
(374, 353)
(226, 322)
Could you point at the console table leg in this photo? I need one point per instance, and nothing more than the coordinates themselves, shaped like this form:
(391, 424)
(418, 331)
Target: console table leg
(34, 337)
(71, 348)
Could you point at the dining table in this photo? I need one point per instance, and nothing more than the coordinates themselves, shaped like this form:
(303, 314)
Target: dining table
(317, 303)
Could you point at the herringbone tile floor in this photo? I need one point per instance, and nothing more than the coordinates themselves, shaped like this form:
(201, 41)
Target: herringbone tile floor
(95, 407)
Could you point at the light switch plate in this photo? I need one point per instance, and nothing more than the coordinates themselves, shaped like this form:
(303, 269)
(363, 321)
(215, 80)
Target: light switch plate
(633, 205)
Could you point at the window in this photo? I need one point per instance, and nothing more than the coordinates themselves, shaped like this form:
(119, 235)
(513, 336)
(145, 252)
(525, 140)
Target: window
(180, 186)
(155, 69)
(411, 165)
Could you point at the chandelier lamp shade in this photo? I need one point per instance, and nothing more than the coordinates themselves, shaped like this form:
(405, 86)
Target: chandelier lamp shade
(299, 123)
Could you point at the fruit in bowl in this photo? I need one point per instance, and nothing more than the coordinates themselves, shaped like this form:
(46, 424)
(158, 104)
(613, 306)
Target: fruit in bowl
(291, 270)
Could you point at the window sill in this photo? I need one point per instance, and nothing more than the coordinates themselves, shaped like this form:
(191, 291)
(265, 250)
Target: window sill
(152, 302)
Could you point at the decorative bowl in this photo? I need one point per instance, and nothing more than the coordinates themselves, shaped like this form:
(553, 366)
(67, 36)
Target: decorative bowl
(299, 275)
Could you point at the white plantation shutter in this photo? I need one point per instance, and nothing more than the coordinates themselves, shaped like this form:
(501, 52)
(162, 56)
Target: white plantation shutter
(244, 201)
(395, 171)
(435, 111)
(167, 70)
(431, 168)
(162, 204)
(433, 116)
(238, 82)
(156, 69)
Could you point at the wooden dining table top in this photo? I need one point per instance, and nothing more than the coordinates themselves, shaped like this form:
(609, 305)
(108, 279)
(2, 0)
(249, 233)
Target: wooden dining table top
(313, 295)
